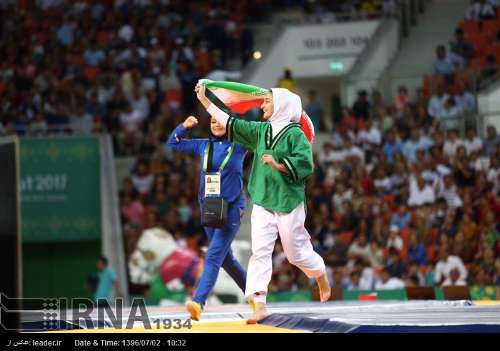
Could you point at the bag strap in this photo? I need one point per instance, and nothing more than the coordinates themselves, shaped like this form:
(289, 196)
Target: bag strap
(208, 157)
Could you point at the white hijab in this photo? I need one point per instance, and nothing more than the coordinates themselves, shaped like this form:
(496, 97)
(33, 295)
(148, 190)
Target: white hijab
(287, 109)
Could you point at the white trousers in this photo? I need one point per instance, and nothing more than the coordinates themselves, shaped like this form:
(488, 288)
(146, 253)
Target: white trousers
(296, 243)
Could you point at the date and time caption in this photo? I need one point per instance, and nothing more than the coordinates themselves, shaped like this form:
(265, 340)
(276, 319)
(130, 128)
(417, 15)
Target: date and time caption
(157, 324)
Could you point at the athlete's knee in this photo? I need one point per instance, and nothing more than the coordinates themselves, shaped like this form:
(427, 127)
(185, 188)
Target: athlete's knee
(214, 259)
(294, 258)
(229, 262)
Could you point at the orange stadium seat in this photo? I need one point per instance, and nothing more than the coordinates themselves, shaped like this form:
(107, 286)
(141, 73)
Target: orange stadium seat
(428, 85)
(77, 60)
(456, 293)
(469, 28)
(346, 238)
(452, 89)
(403, 254)
(103, 37)
(462, 78)
(477, 63)
(90, 72)
(439, 80)
(413, 218)
(481, 43)
(173, 95)
(433, 233)
(495, 51)
(405, 235)
(390, 201)
(431, 253)
(490, 50)
(491, 27)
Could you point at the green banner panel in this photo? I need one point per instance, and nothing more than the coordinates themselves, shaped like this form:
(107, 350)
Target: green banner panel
(484, 292)
(398, 294)
(290, 296)
(59, 269)
(60, 189)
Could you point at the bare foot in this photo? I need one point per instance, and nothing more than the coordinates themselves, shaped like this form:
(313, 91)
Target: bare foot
(259, 313)
(324, 288)
(251, 303)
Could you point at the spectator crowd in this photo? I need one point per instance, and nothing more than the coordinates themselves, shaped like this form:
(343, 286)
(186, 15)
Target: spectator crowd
(403, 193)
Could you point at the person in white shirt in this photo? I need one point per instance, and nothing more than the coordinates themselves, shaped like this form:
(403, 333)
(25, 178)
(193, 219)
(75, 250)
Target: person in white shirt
(131, 134)
(454, 279)
(449, 192)
(381, 181)
(337, 154)
(126, 32)
(324, 154)
(465, 100)
(142, 179)
(394, 239)
(342, 193)
(473, 143)
(479, 10)
(450, 115)
(359, 249)
(386, 282)
(355, 281)
(446, 264)
(353, 151)
(420, 193)
(494, 172)
(437, 102)
(370, 136)
(361, 279)
(431, 174)
(414, 143)
(130, 119)
(139, 103)
(452, 143)
(477, 163)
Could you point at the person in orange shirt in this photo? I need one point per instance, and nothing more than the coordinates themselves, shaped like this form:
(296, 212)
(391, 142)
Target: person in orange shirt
(401, 101)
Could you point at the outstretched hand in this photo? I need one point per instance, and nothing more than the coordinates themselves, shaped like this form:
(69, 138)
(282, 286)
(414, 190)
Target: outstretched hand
(200, 94)
(200, 90)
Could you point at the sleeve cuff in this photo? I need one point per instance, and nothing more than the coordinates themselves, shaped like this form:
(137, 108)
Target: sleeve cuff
(229, 128)
(218, 114)
(291, 169)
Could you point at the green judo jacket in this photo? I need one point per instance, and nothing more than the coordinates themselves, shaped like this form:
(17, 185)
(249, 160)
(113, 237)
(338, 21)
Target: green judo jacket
(269, 188)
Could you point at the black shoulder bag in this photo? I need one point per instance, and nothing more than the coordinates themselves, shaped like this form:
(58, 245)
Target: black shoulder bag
(214, 207)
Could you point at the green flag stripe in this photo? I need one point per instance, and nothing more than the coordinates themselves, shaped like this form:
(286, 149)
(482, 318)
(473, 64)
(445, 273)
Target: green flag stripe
(239, 87)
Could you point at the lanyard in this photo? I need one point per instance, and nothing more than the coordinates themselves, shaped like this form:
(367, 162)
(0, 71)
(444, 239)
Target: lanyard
(208, 152)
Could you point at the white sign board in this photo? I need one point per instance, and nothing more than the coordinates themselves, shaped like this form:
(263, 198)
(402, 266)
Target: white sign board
(314, 50)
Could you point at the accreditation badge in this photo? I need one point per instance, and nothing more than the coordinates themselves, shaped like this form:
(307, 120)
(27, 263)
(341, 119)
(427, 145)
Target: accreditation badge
(212, 184)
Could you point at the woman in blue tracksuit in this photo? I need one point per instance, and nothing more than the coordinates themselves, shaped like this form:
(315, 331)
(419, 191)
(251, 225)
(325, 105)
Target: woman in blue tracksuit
(230, 157)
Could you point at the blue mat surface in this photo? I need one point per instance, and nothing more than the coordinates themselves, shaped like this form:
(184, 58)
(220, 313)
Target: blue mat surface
(323, 325)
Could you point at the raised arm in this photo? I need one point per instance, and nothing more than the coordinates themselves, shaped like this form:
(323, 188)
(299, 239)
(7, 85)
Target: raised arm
(177, 140)
(241, 132)
(213, 110)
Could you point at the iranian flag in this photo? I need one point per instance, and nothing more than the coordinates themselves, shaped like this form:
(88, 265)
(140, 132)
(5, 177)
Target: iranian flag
(241, 98)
